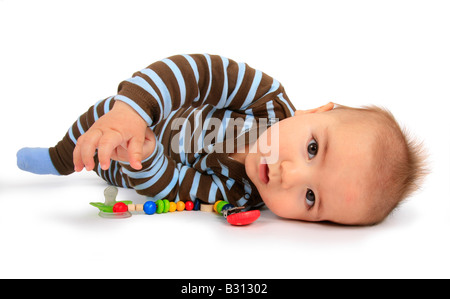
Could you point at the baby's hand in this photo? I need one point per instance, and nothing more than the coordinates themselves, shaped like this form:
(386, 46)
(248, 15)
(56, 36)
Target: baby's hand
(121, 127)
(121, 153)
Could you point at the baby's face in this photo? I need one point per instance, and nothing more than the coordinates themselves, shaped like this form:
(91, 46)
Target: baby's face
(319, 170)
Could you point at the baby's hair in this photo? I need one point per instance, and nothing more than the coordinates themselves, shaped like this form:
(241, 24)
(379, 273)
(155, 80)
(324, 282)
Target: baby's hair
(401, 166)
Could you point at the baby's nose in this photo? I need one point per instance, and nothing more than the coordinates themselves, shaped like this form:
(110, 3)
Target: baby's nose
(291, 174)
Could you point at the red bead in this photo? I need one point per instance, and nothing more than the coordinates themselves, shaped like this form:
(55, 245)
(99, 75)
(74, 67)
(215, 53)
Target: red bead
(243, 218)
(120, 207)
(189, 205)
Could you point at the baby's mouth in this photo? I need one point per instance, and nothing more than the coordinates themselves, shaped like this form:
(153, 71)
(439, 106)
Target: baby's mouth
(264, 172)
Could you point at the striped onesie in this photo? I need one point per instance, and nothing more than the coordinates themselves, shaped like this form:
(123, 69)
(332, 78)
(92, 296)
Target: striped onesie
(201, 108)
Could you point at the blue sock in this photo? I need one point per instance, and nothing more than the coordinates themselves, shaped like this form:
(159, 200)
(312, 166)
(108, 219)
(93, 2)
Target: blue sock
(36, 160)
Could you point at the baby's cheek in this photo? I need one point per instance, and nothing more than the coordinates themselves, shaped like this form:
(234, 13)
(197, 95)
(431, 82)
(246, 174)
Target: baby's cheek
(280, 207)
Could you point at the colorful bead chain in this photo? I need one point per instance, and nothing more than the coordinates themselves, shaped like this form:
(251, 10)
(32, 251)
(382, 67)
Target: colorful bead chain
(160, 206)
(122, 209)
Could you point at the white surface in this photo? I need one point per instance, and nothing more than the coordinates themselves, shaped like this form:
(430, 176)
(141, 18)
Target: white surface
(57, 59)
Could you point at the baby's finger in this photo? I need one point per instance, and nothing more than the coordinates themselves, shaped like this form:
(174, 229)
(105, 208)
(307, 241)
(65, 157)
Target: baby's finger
(135, 147)
(77, 162)
(85, 150)
(77, 157)
(107, 144)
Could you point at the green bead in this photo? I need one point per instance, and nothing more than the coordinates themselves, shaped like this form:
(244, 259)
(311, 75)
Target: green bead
(159, 206)
(220, 206)
(166, 205)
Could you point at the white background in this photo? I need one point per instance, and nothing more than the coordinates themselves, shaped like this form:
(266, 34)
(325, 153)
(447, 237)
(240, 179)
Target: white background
(59, 57)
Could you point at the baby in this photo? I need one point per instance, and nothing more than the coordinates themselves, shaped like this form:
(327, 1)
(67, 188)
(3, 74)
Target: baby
(205, 127)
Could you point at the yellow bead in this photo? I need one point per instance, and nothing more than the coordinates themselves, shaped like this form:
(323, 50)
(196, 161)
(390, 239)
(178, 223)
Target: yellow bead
(180, 206)
(172, 207)
(215, 205)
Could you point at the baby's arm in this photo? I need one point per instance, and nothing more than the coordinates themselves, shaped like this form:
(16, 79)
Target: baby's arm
(197, 79)
(167, 85)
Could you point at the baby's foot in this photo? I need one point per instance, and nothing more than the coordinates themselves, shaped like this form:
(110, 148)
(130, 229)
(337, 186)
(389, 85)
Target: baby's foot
(35, 160)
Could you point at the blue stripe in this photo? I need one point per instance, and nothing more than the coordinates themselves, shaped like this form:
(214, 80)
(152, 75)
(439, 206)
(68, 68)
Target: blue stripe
(223, 97)
(248, 111)
(182, 170)
(208, 60)
(224, 169)
(181, 151)
(80, 128)
(270, 109)
(205, 167)
(196, 131)
(157, 151)
(153, 169)
(72, 137)
(242, 201)
(219, 185)
(203, 164)
(230, 183)
(248, 123)
(252, 92)
(167, 101)
(223, 127)
(95, 110)
(182, 133)
(212, 193)
(274, 87)
(154, 179)
(136, 107)
(195, 183)
(169, 187)
(116, 169)
(193, 66)
(247, 187)
(124, 184)
(111, 178)
(240, 78)
(96, 117)
(196, 74)
(176, 71)
(99, 171)
(142, 83)
(280, 96)
(165, 125)
(201, 139)
(106, 105)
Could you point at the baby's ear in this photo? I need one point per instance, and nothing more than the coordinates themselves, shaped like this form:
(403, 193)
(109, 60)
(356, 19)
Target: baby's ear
(323, 108)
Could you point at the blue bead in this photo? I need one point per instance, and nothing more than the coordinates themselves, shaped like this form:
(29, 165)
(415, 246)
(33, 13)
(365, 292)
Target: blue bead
(196, 204)
(150, 207)
(226, 207)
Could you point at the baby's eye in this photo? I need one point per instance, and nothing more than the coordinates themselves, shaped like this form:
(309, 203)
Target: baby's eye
(310, 198)
(312, 148)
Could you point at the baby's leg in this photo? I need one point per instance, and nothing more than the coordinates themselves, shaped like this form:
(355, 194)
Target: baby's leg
(58, 160)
